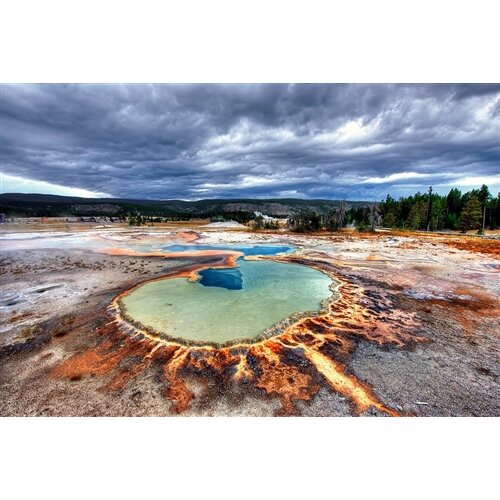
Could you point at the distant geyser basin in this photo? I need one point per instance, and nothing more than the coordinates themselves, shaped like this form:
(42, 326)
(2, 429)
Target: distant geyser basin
(226, 305)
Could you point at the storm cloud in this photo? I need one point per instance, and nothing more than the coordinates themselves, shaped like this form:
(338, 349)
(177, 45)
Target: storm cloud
(358, 142)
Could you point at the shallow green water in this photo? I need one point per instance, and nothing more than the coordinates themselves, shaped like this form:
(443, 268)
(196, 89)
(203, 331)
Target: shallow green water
(271, 292)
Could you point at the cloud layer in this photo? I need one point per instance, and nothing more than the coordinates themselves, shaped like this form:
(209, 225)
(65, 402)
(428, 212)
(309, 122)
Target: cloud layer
(203, 141)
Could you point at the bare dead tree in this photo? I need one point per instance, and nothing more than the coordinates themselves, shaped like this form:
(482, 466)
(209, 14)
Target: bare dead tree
(374, 217)
(429, 211)
(341, 215)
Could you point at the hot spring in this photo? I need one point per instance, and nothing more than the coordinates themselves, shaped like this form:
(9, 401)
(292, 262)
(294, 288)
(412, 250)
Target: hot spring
(226, 305)
(244, 249)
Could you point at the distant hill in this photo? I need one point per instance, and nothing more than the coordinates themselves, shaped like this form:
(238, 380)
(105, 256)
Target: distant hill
(47, 205)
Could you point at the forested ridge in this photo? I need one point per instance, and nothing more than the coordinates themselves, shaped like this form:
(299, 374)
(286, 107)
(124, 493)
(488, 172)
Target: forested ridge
(457, 210)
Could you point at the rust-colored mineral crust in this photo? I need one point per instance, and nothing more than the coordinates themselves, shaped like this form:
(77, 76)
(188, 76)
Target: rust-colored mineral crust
(289, 365)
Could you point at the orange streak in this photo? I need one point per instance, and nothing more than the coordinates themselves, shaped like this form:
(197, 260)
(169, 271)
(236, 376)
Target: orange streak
(168, 255)
(347, 385)
(286, 366)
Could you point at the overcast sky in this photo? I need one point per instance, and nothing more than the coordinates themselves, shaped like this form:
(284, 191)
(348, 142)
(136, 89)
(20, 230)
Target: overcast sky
(357, 142)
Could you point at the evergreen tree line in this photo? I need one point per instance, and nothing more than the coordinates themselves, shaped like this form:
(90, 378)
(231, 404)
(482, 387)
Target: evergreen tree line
(429, 211)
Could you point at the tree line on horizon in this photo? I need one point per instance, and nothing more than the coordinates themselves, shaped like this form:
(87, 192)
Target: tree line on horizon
(473, 210)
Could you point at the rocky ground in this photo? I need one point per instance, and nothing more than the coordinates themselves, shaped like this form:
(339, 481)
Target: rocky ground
(54, 302)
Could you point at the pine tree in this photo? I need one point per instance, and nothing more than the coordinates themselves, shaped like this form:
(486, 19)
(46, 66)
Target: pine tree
(484, 195)
(389, 220)
(417, 215)
(454, 203)
(470, 218)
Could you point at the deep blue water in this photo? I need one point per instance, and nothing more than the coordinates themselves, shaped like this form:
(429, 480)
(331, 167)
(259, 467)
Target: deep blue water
(231, 279)
(246, 250)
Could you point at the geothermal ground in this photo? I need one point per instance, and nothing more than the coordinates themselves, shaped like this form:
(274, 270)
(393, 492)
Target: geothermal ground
(412, 328)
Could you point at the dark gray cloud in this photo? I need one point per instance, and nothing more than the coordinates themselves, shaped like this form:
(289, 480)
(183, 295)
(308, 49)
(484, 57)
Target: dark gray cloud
(200, 141)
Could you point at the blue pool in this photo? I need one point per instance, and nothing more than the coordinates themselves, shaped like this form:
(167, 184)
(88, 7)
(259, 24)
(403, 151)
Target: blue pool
(246, 250)
(230, 279)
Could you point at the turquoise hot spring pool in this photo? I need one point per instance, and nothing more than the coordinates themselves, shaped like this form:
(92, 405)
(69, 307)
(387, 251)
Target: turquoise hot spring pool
(226, 305)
